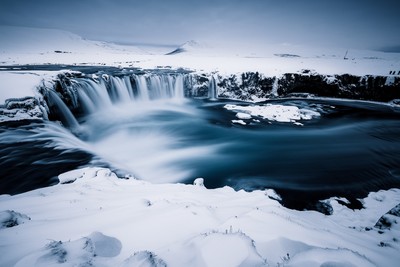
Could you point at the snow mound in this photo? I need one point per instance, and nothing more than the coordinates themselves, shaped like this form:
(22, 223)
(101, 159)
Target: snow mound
(71, 253)
(222, 249)
(144, 259)
(87, 251)
(84, 173)
(319, 257)
(105, 246)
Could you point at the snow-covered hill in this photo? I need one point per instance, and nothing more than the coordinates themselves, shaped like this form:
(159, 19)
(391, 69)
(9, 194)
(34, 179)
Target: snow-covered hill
(44, 46)
(24, 40)
(192, 47)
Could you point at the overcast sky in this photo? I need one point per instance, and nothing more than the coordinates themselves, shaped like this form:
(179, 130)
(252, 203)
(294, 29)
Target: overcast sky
(345, 23)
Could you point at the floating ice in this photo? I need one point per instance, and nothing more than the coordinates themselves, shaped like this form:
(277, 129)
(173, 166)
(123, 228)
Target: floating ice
(273, 112)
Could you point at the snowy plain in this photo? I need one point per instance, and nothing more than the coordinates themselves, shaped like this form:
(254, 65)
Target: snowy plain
(93, 218)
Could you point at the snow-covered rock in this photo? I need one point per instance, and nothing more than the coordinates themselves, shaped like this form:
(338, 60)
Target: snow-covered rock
(199, 182)
(10, 218)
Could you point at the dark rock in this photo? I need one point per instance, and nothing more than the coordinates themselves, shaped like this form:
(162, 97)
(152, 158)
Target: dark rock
(10, 218)
(389, 219)
(323, 207)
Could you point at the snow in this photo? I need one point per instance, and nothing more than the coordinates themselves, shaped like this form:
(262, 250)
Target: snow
(18, 84)
(199, 182)
(273, 112)
(39, 41)
(93, 218)
(242, 115)
(102, 220)
(37, 46)
(239, 122)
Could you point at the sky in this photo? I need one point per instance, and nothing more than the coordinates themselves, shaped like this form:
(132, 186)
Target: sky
(366, 24)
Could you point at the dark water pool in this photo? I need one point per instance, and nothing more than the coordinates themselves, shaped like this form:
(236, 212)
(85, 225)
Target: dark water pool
(351, 149)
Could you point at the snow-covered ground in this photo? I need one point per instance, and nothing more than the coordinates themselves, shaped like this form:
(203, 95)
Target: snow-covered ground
(19, 84)
(95, 219)
(42, 46)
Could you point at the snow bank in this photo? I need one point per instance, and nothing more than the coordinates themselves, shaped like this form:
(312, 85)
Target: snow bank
(19, 84)
(100, 220)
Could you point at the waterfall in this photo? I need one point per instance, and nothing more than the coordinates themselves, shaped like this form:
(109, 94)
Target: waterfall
(179, 88)
(165, 87)
(67, 118)
(275, 86)
(141, 84)
(212, 89)
(90, 95)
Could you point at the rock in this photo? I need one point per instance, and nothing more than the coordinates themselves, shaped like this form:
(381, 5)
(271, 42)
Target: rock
(144, 259)
(389, 219)
(199, 182)
(10, 218)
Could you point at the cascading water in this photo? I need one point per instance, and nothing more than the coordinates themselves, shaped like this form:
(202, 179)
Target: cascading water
(66, 115)
(106, 91)
(275, 87)
(212, 89)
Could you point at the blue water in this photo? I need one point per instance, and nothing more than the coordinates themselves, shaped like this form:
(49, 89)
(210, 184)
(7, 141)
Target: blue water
(351, 149)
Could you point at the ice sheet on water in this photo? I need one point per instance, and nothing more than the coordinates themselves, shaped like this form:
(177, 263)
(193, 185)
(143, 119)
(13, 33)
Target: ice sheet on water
(273, 112)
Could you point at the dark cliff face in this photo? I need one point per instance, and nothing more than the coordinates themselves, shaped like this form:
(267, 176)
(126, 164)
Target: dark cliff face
(376, 88)
(251, 86)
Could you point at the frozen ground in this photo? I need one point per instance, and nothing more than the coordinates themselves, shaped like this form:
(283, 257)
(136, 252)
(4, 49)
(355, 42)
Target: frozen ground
(40, 46)
(93, 217)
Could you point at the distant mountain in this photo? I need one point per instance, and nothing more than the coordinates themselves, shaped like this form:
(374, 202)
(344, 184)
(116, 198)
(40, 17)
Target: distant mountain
(37, 40)
(190, 46)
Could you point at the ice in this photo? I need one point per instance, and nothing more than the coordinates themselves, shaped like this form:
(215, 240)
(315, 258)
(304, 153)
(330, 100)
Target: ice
(243, 116)
(272, 112)
(239, 122)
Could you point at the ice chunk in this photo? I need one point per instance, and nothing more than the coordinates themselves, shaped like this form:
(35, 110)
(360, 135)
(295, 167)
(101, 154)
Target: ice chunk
(243, 116)
(239, 122)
